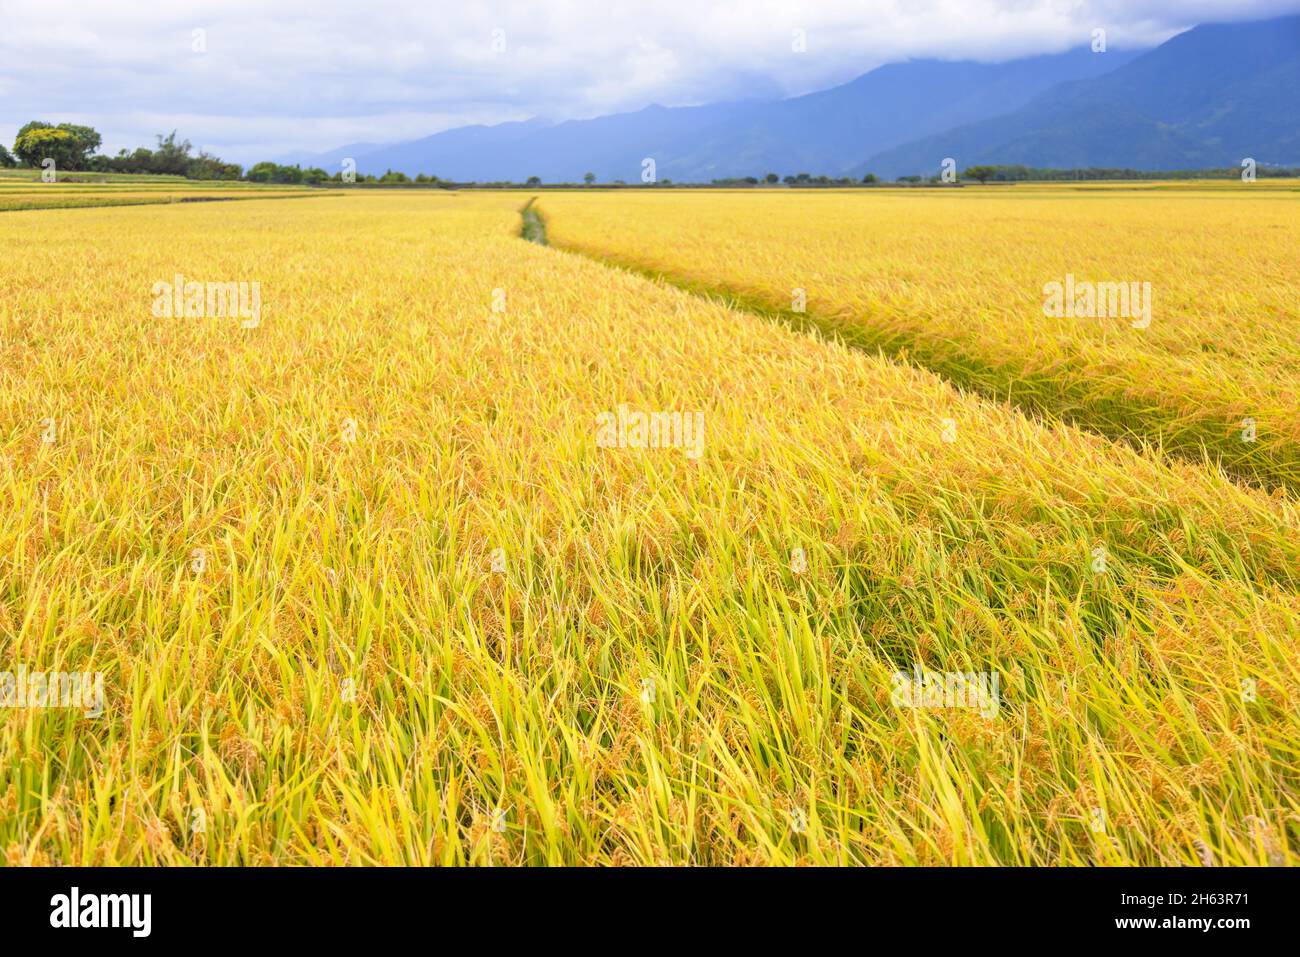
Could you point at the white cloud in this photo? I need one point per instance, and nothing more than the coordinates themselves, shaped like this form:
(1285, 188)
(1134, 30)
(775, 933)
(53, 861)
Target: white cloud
(298, 75)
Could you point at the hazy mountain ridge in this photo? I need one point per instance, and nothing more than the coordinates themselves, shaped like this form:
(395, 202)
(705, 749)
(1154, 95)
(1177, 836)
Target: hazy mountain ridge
(1205, 98)
(828, 131)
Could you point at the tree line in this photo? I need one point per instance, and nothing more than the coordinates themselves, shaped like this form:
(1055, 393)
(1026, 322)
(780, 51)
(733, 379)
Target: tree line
(1018, 173)
(75, 149)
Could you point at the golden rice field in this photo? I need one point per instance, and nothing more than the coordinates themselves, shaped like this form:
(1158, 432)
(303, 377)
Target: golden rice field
(23, 190)
(367, 582)
(955, 279)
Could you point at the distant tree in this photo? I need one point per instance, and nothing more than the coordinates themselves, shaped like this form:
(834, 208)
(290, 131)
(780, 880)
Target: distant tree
(69, 145)
(207, 166)
(262, 173)
(589, 178)
(981, 173)
(394, 176)
(86, 141)
(34, 125)
(772, 178)
(421, 178)
(871, 178)
(908, 179)
(87, 136)
(6, 158)
(141, 161)
(275, 173)
(534, 181)
(36, 146)
(789, 181)
(171, 158)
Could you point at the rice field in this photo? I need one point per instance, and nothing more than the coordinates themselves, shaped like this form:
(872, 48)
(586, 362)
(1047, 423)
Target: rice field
(1201, 358)
(23, 189)
(61, 198)
(468, 550)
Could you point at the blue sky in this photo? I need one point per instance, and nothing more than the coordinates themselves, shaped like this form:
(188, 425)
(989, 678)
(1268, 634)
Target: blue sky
(262, 80)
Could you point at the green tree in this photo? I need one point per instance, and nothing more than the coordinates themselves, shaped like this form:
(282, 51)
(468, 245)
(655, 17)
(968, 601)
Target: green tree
(69, 145)
(981, 173)
(262, 173)
(589, 178)
(207, 166)
(171, 157)
(29, 127)
(141, 161)
(6, 158)
(534, 181)
(36, 146)
(34, 125)
(871, 178)
(87, 136)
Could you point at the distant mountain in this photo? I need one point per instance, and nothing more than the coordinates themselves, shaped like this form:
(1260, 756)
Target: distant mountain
(1206, 98)
(610, 146)
(825, 132)
(332, 161)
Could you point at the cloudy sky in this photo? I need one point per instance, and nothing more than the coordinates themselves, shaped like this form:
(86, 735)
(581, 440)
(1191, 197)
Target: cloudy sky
(251, 79)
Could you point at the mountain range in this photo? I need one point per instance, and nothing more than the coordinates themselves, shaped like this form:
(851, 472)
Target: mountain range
(1205, 98)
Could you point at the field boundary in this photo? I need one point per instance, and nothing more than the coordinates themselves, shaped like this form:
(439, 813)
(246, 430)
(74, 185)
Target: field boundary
(533, 225)
(1146, 427)
(169, 201)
